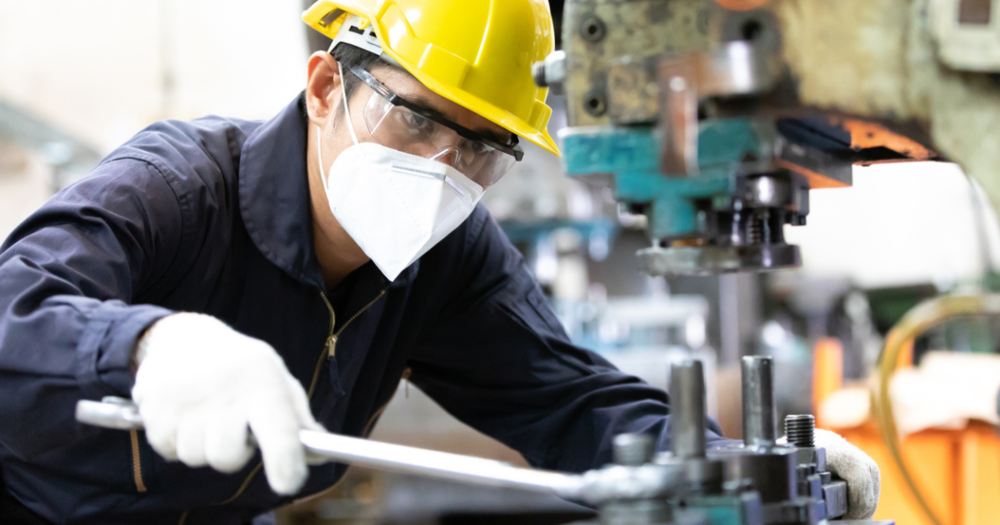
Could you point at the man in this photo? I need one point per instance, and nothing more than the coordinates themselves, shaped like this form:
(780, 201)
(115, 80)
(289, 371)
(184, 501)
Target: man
(265, 277)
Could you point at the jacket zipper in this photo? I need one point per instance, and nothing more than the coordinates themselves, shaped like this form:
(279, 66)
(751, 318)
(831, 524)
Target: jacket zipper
(140, 486)
(368, 429)
(331, 340)
(329, 349)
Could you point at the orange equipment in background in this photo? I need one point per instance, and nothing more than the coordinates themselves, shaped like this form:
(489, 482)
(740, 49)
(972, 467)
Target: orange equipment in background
(958, 471)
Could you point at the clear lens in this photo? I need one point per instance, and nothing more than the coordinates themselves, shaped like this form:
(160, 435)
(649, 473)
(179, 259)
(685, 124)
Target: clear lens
(401, 129)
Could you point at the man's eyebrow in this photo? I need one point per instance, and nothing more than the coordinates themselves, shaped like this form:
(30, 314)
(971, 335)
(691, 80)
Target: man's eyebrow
(499, 137)
(425, 105)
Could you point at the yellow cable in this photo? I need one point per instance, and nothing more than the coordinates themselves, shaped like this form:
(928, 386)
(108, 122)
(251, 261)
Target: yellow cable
(917, 321)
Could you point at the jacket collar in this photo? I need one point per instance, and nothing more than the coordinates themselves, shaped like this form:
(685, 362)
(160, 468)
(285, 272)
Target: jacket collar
(274, 198)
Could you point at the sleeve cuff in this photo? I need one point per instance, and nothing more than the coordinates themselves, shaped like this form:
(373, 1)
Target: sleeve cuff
(104, 354)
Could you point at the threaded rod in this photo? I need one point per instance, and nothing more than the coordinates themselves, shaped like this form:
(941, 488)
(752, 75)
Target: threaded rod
(801, 430)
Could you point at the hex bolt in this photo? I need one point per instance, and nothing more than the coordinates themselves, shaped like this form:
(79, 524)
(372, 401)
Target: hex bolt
(551, 71)
(760, 426)
(632, 450)
(801, 430)
(687, 407)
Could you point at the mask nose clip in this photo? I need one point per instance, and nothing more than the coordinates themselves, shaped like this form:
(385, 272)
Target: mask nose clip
(451, 156)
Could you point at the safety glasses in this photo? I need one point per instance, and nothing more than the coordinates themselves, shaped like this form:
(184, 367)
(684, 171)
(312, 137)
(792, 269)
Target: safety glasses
(401, 125)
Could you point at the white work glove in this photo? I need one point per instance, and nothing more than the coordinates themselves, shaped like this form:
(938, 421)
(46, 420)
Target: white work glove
(857, 469)
(201, 385)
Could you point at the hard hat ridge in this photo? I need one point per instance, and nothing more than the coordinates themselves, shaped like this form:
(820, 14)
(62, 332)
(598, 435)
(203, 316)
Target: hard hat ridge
(358, 34)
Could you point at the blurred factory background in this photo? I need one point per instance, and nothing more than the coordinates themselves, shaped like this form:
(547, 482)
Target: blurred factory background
(79, 78)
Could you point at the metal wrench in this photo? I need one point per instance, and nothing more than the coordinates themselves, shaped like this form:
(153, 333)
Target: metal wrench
(123, 414)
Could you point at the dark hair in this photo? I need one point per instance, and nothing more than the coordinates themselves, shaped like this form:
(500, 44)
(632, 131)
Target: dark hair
(352, 56)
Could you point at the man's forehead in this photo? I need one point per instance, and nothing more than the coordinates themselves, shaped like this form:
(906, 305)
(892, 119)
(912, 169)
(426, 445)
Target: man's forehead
(409, 88)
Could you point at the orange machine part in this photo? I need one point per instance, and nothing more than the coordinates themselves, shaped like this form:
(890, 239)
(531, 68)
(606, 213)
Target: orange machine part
(816, 181)
(741, 5)
(979, 466)
(864, 135)
(957, 470)
(828, 370)
(869, 135)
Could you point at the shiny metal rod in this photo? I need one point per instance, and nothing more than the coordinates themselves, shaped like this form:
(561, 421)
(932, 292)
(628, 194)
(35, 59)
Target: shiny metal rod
(118, 413)
(687, 412)
(441, 465)
(760, 425)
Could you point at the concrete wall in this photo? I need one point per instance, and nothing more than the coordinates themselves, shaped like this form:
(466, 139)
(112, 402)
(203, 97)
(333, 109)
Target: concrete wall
(24, 184)
(104, 69)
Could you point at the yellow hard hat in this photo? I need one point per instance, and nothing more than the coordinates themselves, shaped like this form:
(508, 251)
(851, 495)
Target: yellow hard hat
(476, 53)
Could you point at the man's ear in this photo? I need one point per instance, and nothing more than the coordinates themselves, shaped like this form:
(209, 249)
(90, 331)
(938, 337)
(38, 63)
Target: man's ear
(322, 87)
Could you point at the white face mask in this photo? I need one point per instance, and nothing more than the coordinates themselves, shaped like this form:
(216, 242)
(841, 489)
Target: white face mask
(396, 206)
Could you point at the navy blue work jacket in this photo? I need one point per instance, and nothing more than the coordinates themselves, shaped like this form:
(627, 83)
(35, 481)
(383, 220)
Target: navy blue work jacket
(214, 216)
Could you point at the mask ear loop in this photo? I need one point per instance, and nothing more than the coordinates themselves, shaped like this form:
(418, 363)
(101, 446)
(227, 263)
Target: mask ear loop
(347, 111)
(319, 153)
(350, 127)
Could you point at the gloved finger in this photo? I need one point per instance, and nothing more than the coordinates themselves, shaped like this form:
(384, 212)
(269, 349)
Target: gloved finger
(277, 431)
(226, 446)
(161, 428)
(863, 487)
(300, 403)
(191, 438)
(868, 503)
(855, 467)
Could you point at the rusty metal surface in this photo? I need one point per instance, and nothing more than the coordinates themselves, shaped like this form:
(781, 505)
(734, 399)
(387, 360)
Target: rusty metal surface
(852, 58)
(964, 125)
(878, 59)
(966, 34)
(893, 64)
(632, 91)
(602, 34)
(850, 55)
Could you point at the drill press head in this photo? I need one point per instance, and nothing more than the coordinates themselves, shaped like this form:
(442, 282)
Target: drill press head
(693, 112)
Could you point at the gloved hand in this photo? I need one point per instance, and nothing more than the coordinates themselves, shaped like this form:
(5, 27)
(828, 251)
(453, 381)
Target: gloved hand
(201, 385)
(857, 469)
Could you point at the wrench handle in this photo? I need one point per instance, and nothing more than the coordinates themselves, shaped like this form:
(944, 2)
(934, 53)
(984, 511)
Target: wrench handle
(123, 414)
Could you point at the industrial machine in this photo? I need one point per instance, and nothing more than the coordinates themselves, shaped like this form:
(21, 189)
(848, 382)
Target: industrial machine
(716, 117)
(760, 482)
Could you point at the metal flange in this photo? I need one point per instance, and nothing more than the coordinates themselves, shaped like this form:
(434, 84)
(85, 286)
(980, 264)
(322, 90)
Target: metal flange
(712, 260)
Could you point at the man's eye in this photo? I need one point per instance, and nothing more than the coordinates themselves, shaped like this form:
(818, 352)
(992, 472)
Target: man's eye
(474, 147)
(478, 147)
(416, 123)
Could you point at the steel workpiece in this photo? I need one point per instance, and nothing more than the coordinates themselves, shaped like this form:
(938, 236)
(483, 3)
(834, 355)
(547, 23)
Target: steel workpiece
(759, 412)
(687, 397)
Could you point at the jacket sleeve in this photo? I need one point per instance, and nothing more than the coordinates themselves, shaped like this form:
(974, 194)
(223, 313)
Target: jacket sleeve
(68, 275)
(498, 359)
